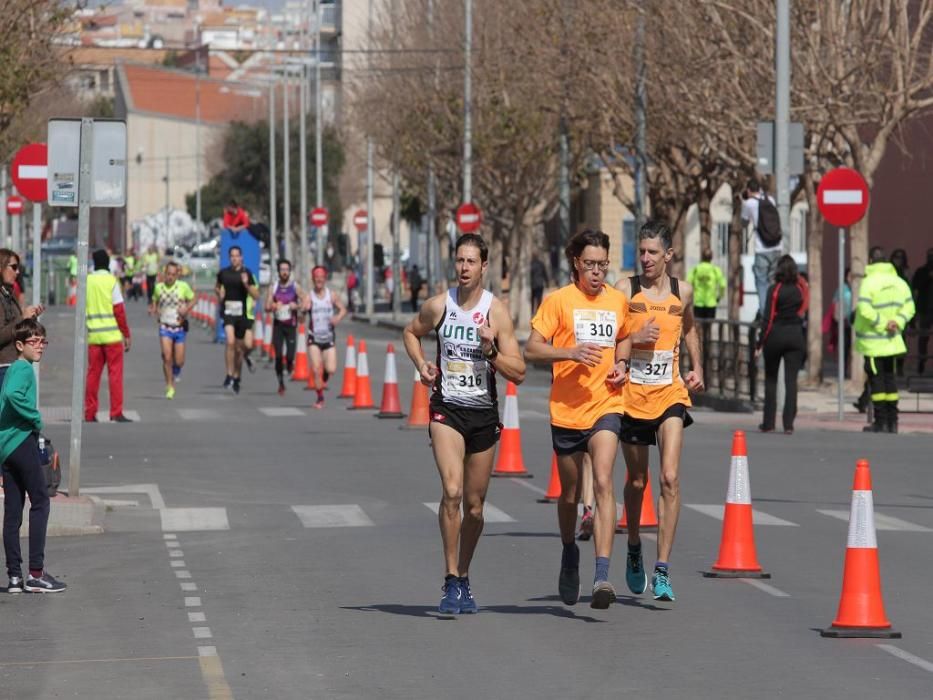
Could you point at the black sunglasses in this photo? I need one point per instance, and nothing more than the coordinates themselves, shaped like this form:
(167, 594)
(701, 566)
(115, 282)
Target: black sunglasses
(14, 266)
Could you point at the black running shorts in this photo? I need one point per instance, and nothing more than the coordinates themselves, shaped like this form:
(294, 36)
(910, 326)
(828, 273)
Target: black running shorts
(568, 441)
(240, 324)
(639, 431)
(480, 427)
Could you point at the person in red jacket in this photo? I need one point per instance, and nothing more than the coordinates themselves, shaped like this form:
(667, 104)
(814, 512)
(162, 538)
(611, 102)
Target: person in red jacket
(235, 217)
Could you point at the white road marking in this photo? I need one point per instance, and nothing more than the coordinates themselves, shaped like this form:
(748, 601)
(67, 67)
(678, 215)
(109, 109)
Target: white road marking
(207, 651)
(177, 563)
(151, 490)
(907, 656)
(197, 617)
(114, 502)
(766, 587)
(350, 515)
(192, 601)
(199, 414)
(282, 412)
(169, 536)
(176, 553)
(182, 574)
(194, 519)
(758, 517)
(202, 632)
(882, 522)
(528, 485)
(491, 514)
(188, 586)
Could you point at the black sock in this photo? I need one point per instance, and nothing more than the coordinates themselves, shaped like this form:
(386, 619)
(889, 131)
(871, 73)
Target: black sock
(570, 559)
(635, 548)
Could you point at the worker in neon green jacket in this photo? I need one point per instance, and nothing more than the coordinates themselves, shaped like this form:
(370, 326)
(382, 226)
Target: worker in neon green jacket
(709, 284)
(883, 308)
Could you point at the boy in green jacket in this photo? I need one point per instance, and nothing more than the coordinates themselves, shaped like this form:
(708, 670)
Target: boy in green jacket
(20, 423)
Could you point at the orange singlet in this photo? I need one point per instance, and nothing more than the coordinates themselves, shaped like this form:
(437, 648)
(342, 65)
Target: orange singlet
(654, 382)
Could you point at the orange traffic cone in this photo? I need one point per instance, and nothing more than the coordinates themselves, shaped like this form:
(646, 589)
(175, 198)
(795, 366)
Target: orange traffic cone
(73, 294)
(348, 390)
(861, 609)
(509, 462)
(301, 372)
(649, 516)
(553, 488)
(269, 346)
(420, 415)
(391, 406)
(363, 399)
(737, 556)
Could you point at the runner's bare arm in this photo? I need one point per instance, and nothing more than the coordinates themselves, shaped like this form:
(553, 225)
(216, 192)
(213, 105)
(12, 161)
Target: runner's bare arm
(505, 355)
(693, 378)
(341, 309)
(426, 320)
(624, 285)
(269, 305)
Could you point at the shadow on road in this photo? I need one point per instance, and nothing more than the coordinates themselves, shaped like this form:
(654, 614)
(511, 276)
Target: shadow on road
(429, 611)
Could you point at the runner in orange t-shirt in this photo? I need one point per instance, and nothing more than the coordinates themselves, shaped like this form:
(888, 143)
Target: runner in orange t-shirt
(578, 329)
(660, 313)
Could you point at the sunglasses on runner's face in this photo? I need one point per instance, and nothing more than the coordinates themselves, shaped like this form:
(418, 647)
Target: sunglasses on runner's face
(14, 266)
(37, 342)
(603, 265)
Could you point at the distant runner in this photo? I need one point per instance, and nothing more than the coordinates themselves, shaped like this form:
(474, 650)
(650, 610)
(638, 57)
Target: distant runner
(172, 301)
(325, 310)
(283, 300)
(235, 285)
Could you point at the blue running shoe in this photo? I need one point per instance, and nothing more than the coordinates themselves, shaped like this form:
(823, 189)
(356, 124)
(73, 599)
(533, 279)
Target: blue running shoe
(661, 585)
(467, 602)
(635, 575)
(450, 603)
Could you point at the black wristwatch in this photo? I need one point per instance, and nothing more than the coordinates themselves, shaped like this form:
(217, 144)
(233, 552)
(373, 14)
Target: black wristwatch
(490, 356)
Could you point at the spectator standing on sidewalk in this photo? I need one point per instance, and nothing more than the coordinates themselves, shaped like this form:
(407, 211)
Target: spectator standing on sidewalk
(10, 311)
(758, 208)
(20, 423)
(108, 337)
(151, 268)
(709, 284)
(883, 309)
(783, 338)
(922, 284)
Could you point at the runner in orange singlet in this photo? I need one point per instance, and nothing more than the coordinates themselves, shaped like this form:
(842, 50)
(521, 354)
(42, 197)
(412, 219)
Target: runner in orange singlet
(660, 313)
(578, 328)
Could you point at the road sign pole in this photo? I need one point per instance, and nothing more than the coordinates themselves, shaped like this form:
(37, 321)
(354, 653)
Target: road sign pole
(80, 351)
(840, 320)
(370, 232)
(36, 271)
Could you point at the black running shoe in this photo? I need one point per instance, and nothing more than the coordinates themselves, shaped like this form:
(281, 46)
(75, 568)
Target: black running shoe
(228, 382)
(236, 386)
(249, 364)
(15, 585)
(44, 584)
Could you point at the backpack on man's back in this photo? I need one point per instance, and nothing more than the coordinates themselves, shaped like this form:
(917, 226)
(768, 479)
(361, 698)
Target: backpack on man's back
(769, 222)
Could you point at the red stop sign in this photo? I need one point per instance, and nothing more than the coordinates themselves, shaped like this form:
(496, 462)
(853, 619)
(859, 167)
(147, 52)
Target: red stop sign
(361, 220)
(30, 171)
(842, 197)
(319, 217)
(469, 217)
(14, 205)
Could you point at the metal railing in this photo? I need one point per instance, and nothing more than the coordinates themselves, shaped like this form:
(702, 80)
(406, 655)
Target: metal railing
(730, 369)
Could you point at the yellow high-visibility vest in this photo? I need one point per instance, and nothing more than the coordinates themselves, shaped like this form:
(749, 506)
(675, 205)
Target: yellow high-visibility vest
(102, 328)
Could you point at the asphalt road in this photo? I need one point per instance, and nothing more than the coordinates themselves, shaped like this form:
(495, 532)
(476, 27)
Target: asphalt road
(255, 547)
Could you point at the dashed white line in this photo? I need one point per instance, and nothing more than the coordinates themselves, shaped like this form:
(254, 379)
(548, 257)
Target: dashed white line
(491, 514)
(882, 522)
(193, 601)
(182, 574)
(202, 632)
(197, 617)
(188, 586)
(350, 515)
(907, 656)
(207, 651)
(766, 587)
(529, 486)
(758, 517)
(177, 563)
(174, 553)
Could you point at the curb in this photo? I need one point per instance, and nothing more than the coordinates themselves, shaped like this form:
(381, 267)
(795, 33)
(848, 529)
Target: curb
(69, 517)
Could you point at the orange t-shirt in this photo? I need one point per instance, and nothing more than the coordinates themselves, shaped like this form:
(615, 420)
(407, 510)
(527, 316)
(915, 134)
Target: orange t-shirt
(568, 317)
(654, 383)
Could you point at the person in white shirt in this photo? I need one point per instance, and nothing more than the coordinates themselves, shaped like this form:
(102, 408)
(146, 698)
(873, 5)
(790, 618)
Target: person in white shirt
(766, 257)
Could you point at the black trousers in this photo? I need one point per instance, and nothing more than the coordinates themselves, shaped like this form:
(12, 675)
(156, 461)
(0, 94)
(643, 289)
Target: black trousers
(881, 380)
(287, 335)
(784, 342)
(23, 474)
(704, 311)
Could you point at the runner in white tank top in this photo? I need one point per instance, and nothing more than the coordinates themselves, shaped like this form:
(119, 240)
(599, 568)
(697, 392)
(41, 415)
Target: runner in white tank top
(475, 342)
(325, 310)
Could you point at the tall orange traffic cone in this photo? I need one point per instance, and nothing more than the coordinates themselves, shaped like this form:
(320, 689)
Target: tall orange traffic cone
(73, 294)
(348, 390)
(420, 415)
(861, 609)
(649, 516)
(259, 334)
(509, 461)
(737, 556)
(553, 488)
(363, 399)
(391, 406)
(267, 343)
(301, 372)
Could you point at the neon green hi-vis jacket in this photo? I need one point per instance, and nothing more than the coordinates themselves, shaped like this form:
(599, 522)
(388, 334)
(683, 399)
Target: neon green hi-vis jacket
(708, 283)
(883, 297)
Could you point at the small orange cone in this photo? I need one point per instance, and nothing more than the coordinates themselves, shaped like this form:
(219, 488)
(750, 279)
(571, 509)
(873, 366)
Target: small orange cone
(861, 609)
(301, 372)
(509, 461)
(73, 294)
(737, 556)
(553, 488)
(391, 406)
(212, 319)
(649, 516)
(267, 343)
(420, 415)
(363, 399)
(348, 390)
